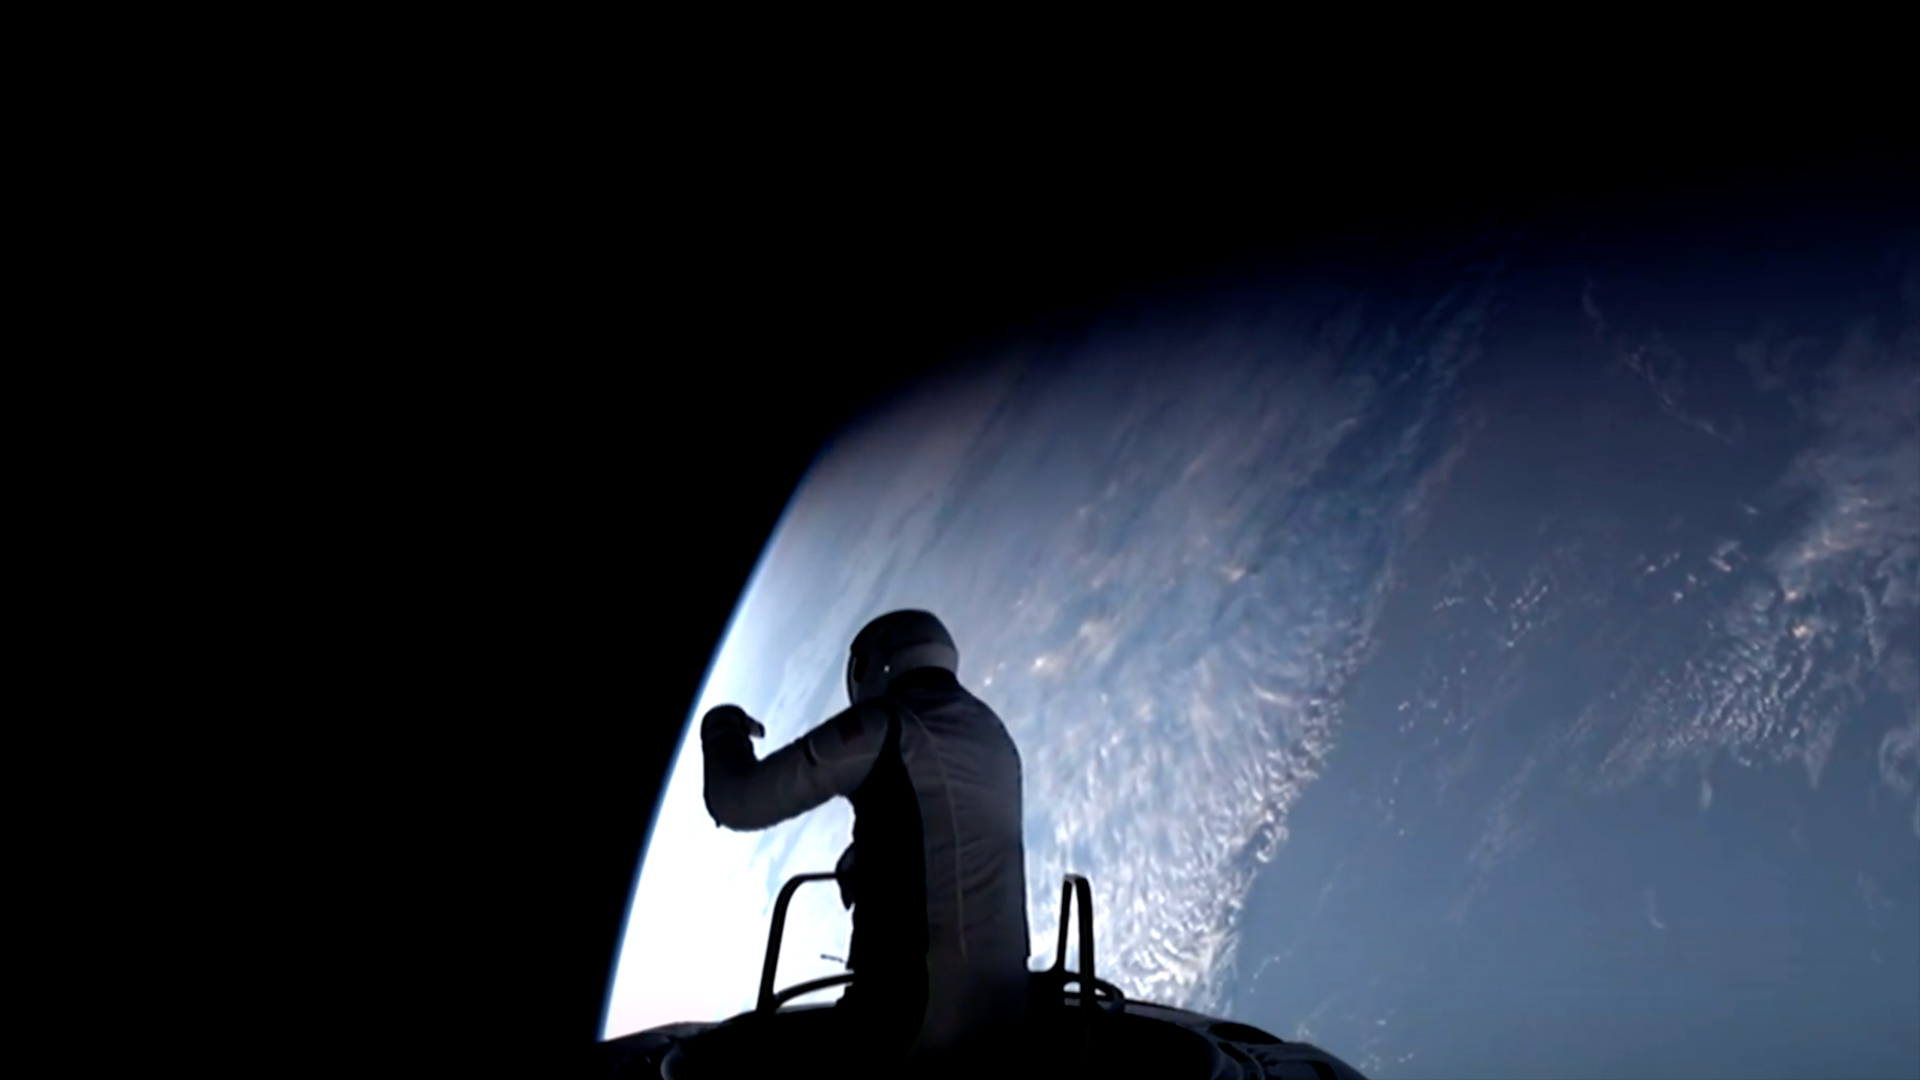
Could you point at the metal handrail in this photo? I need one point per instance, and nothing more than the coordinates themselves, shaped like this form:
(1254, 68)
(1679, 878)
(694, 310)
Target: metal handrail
(1072, 885)
(768, 1000)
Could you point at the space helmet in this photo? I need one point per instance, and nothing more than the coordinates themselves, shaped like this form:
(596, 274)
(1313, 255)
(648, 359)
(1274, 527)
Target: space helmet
(893, 644)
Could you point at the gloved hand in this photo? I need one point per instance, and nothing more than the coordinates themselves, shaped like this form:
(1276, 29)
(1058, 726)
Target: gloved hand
(723, 720)
(843, 871)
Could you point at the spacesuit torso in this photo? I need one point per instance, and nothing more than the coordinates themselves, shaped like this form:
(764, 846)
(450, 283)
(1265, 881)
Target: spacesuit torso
(939, 876)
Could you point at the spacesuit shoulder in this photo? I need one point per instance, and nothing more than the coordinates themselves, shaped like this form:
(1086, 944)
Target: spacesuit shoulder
(854, 735)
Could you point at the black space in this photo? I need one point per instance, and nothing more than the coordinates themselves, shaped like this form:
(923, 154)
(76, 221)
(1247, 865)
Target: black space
(619, 363)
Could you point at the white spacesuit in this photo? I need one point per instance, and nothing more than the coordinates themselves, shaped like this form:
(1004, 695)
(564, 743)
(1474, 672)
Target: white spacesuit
(938, 890)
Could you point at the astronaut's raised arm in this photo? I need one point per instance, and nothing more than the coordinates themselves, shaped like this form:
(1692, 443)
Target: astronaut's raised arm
(834, 758)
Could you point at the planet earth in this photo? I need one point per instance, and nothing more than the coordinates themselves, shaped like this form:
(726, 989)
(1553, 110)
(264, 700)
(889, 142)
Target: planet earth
(1492, 657)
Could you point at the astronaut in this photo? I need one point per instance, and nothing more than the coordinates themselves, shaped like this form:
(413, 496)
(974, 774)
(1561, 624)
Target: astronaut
(938, 885)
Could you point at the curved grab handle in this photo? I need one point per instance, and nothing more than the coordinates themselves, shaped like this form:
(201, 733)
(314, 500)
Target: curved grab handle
(1077, 884)
(768, 1001)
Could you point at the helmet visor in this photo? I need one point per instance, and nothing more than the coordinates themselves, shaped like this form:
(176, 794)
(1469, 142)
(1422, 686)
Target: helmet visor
(856, 669)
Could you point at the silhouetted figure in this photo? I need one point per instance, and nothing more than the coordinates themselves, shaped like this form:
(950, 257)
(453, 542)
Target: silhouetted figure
(936, 875)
